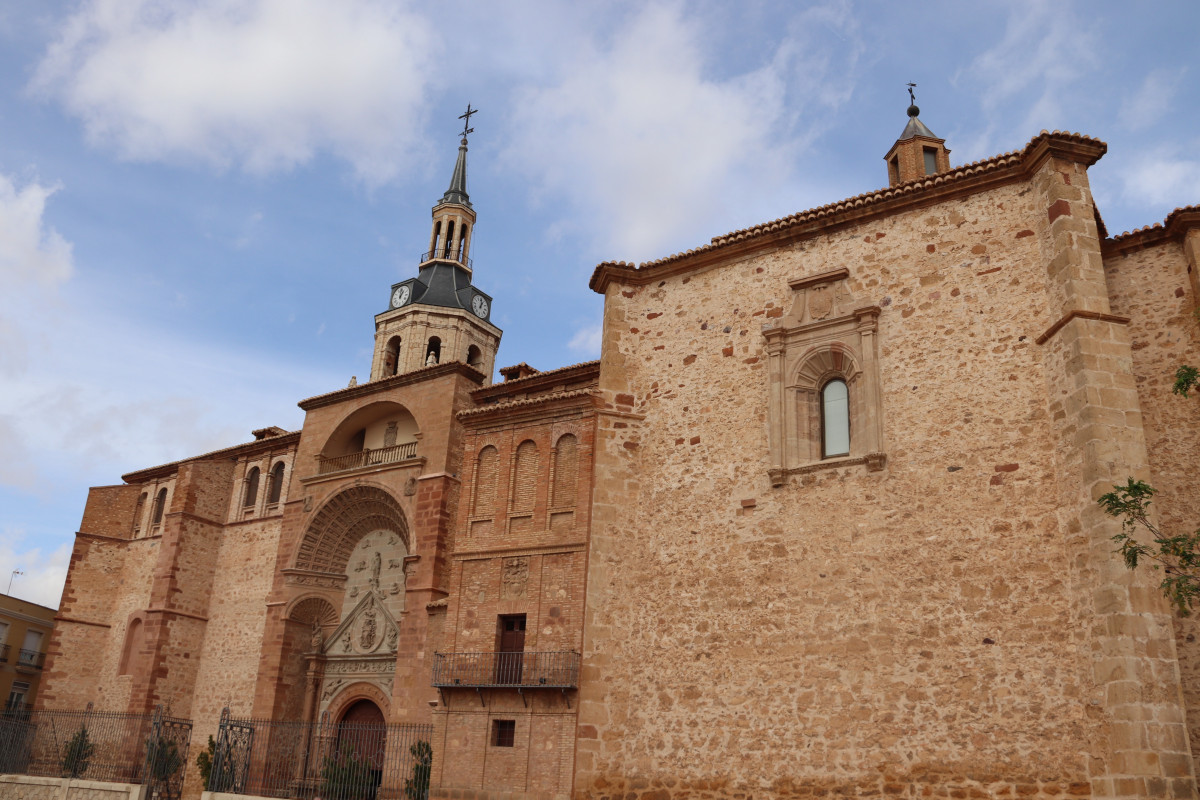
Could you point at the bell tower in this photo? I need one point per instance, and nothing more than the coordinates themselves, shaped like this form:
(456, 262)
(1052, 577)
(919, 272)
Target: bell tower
(439, 315)
(918, 152)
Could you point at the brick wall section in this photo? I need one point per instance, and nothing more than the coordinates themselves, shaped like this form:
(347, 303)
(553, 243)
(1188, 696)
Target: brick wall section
(823, 631)
(522, 550)
(109, 511)
(1155, 288)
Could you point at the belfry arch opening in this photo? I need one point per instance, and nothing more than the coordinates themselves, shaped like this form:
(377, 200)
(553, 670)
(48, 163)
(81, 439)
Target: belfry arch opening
(433, 351)
(381, 433)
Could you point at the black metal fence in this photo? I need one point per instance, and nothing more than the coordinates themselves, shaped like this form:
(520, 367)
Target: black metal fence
(332, 761)
(557, 669)
(148, 749)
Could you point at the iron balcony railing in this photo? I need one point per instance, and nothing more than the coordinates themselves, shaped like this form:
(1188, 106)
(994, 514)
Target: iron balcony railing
(441, 254)
(557, 669)
(368, 458)
(4, 653)
(31, 658)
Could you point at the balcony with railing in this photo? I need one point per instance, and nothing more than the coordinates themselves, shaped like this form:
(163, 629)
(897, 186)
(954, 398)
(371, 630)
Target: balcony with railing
(30, 659)
(445, 254)
(367, 458)
(557, 669)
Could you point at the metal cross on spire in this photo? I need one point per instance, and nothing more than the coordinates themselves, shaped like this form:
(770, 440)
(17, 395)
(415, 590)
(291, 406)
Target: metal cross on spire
(911, 96)
(467, 120)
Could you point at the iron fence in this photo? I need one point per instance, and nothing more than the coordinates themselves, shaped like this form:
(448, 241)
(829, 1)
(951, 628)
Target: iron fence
(445, 254)
(331, 761)
(557, 669)
(148, 749)
(30, 658)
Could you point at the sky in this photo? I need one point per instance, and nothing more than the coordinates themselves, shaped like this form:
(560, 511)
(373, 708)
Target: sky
(204, 203)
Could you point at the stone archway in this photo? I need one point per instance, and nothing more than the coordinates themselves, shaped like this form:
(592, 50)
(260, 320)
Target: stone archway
(345, 518)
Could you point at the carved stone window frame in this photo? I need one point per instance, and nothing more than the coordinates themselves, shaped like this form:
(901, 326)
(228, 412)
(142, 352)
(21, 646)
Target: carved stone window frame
(825, 335)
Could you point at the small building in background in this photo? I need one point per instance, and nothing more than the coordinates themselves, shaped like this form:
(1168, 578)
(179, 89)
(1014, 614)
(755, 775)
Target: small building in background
(24, 633)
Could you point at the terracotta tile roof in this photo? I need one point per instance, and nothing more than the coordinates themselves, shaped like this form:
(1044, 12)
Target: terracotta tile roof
(528, 378)
(890, 199)
(1175, 224)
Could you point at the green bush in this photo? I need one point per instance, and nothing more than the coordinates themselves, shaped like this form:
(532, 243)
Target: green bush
(77, 754)
(346, 776)
(417, 787)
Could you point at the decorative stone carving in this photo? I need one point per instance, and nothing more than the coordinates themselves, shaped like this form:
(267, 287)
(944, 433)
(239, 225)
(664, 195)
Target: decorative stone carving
(366, 636)
(317, 639)
(827, 335)
(410, 487)
(393, 639)
(514, 578)
(389, 435)
(376, 566)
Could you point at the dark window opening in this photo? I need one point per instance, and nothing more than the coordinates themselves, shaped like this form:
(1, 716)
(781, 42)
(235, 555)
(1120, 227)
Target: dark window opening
(474, 356)
(510, 649)
(433, 353)
(251, 488)
(504, 732)
(160, 500)
(894, 169)
(449, 240)
(462, 241)
(931, 167)
(276, 483)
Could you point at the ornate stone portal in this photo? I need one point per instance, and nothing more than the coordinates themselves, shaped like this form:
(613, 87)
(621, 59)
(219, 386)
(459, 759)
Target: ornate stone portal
(362, 649)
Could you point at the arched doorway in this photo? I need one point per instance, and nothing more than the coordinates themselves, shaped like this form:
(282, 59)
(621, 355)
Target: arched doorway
(357, 768)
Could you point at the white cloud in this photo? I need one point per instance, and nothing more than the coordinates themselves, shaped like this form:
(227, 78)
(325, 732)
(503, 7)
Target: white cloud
(1153, 99)
(650, 147)
(1045, 51)
(264, 84)
(586, 341)
(43, 573)
(30, 250)
(1162, 178)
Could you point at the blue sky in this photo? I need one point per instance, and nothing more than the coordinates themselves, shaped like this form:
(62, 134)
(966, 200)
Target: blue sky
(203, 203)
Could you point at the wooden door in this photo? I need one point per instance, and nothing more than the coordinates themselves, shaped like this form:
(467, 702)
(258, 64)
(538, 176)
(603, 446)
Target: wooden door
(510, 652)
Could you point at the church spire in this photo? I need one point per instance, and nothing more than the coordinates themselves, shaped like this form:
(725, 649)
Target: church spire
(918, 152)
(457, 193)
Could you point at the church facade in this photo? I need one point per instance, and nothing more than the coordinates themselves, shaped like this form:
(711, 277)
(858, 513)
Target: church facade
(820, 521)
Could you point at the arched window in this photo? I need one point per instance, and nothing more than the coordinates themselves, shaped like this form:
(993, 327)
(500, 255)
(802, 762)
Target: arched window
(462, 241)
(474, 356)
(566, 459)
(525, 472)
(485, 482)
(251, 488)
(449, 240)
(835, 419)
(160, 502)
(276, 490)
(433, 353)
(436, 240)
(138, 510)
(391, 357)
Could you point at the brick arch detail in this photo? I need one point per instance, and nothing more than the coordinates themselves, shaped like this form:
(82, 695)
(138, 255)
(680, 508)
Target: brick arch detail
(355, 692)
(342, 521)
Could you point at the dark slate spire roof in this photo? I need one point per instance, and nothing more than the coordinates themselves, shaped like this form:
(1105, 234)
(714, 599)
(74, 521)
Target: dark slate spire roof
(915, 127)
(457, 193)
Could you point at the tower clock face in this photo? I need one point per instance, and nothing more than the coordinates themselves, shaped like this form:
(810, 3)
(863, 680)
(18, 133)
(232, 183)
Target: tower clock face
(400, 296)
(480, 307)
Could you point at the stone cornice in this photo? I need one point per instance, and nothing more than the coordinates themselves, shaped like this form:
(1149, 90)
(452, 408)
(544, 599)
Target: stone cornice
(284, 442)
(1174, 227)
(531, 408)
(539, 381)
(394, 382)
(956, 183)
(1080, 314)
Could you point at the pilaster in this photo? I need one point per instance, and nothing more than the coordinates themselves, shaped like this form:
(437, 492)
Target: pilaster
(1123, 625)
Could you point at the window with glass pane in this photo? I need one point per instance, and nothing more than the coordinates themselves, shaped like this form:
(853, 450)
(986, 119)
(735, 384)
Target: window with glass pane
(835, 419)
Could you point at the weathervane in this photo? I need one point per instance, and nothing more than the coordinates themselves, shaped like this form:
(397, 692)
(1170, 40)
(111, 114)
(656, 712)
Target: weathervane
(467, 120)
(911, 96)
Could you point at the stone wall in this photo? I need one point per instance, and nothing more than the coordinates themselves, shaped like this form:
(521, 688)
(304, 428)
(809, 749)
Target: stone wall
(910, 630)
(1155, 287)
(25, 787)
